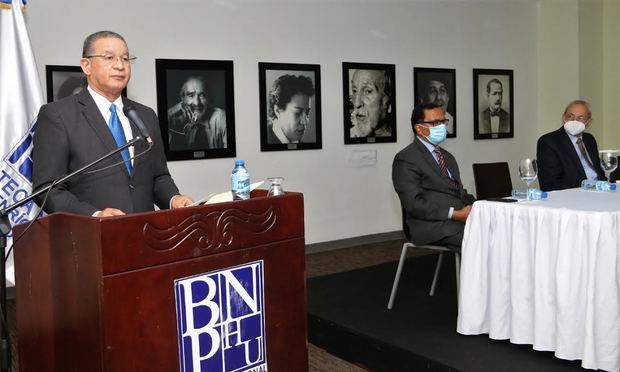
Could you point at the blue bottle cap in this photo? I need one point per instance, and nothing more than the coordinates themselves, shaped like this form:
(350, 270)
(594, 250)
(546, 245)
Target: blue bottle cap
(612, 186)
(239, 162)
(543, 195)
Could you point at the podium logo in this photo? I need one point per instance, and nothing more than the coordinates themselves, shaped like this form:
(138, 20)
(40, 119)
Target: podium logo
(221, 320)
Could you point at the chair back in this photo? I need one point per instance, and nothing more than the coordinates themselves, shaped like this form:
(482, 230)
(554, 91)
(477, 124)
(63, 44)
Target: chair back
(492, 180)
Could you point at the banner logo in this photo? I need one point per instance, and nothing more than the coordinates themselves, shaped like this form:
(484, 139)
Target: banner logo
(221, 320)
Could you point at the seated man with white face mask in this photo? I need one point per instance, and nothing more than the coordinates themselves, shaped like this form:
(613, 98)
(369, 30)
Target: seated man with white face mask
(427, 180)
(567, 155)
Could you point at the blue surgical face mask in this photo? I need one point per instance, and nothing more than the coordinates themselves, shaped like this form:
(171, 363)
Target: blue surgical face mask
(437, 134)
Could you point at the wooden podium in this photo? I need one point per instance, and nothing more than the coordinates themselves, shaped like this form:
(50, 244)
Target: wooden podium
(98, 294)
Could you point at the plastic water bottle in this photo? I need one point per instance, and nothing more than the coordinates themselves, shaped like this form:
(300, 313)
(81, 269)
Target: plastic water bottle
(240, 181)
(529, 194)
(598, 185)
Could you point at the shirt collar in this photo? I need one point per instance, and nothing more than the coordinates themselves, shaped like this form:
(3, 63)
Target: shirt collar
(104, 105)
(280, 134)
(428, 145)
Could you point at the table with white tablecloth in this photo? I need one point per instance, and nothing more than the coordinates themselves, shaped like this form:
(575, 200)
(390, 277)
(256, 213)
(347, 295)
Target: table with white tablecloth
(546, 273)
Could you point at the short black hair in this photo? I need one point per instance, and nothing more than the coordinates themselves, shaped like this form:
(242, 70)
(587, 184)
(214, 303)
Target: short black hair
(284, 88)
(417, 116)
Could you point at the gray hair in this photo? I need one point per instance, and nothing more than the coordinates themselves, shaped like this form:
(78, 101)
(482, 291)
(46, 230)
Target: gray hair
(87, 49)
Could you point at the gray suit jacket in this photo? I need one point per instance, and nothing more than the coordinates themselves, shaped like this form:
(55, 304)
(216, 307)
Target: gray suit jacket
(426, 195)
(71, 133)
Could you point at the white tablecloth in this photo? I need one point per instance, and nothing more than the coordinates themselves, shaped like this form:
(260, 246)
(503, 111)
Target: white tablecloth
(546, 273)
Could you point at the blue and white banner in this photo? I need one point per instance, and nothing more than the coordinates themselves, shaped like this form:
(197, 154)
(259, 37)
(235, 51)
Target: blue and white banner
(20, 100)
(221, 320)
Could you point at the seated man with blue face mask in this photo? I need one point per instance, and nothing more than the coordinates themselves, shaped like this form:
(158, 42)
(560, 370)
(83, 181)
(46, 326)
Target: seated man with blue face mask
(567, 155)
(427, 180)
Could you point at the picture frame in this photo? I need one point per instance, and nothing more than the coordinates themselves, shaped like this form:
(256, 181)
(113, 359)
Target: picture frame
(290, 106)
(369, 102)
(493, 103)
(437, 85)
(196, 108)
(62, 81)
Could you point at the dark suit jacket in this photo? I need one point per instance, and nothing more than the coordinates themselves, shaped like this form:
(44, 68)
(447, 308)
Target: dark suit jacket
(559, 166)
(485, 121)
(426, 195)
(71, 133)
(271, 136)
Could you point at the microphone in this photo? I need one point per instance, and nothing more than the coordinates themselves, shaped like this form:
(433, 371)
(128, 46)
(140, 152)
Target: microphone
(132, 114)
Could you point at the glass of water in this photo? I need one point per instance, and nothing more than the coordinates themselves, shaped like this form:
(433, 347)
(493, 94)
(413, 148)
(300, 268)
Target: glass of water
(609, 162)
(528, 171)
(275, 187)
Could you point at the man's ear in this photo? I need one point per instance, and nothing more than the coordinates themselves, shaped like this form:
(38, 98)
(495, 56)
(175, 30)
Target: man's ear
(85, 65)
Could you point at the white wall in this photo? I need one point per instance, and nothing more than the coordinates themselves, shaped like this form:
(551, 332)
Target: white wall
(340, 201)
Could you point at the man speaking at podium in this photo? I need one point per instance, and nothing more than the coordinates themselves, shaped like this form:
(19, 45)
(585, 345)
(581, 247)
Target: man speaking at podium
(79, 129)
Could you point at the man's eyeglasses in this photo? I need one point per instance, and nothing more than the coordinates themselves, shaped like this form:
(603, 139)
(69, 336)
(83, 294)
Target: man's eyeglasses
(435, 123)
(110, 59)
(580, 118)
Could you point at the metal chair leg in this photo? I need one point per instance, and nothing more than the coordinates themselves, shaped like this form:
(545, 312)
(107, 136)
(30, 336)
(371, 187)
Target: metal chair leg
(432, 292)
(401, 262)
(457, 261)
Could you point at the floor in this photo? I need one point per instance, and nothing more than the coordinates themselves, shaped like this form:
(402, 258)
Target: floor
(340, 260)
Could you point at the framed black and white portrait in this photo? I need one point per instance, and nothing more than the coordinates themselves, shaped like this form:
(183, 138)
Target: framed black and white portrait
(290, 106)
(63, 81)
(195, 104)
(369, 96)
(437, 85)
(493, 104)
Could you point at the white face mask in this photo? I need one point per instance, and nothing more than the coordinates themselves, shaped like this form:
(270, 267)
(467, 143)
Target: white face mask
(574, 127)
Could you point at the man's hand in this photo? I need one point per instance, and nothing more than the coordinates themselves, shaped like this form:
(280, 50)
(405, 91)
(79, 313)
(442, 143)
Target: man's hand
(180, 201)
(109, 212)
(461, 214)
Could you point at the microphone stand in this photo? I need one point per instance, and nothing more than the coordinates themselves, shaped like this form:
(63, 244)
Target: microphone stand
(5, 229)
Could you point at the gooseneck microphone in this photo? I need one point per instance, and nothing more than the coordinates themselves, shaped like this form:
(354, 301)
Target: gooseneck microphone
(132, 114)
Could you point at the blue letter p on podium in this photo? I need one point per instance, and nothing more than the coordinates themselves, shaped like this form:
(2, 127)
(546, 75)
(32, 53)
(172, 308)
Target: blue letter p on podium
(221, 320)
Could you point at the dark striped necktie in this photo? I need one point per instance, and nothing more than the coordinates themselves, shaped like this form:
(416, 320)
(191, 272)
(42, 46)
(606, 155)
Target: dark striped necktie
(584, 153)
(442, 165)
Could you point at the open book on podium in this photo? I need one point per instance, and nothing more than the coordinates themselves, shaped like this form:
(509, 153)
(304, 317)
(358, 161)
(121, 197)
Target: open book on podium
(209, 287)
(222, 197)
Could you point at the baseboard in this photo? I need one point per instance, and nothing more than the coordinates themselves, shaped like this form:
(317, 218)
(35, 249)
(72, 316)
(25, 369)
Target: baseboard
(352, 242)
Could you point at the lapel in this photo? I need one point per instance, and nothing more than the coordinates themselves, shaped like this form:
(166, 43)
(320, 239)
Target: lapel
(432, 163)
(141, 146)
(569, 149)
(93, 117)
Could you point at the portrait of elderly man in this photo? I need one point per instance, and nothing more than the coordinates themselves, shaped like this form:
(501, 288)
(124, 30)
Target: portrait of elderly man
(194, 122)
(289, 106)
(370, 103)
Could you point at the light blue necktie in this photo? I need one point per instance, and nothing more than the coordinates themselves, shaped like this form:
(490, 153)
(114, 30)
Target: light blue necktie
(119, 136)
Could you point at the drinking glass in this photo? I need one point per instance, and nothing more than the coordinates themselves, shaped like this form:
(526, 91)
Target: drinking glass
(609, 161)
(528, 171)
(275, 188)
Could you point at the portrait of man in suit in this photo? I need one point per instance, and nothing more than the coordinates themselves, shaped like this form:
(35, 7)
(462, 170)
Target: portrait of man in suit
(427, 180)
(493, 104)
(81, 128)
(290, 106)
(437, 85)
